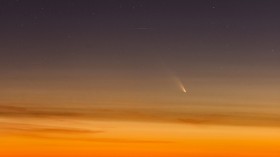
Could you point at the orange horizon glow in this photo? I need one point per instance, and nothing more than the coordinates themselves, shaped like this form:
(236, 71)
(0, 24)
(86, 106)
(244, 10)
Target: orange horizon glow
(117, 138)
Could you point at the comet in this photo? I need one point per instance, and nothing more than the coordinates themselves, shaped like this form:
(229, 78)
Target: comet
(180, 84)
(173, 76)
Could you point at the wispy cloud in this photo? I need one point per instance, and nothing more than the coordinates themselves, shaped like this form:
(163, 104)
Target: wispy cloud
(204, 116)
(69, 134)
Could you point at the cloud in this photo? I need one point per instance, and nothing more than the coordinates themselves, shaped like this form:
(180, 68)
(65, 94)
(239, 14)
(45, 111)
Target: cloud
(8, 108)
(20, 111)
(123, 140)
(11, 127)
(204, 116)
(68, 134)
(64, 131)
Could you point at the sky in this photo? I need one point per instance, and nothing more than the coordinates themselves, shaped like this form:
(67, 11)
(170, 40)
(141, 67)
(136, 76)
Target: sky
(139, 78)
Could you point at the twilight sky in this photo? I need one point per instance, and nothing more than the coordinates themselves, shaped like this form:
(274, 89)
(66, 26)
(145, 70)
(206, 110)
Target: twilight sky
(116, 70)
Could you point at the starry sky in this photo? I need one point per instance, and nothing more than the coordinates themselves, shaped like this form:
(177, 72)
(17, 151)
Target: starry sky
(115, 73)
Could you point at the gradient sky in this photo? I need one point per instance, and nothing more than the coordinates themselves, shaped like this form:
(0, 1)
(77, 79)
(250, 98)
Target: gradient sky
(106, 78)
